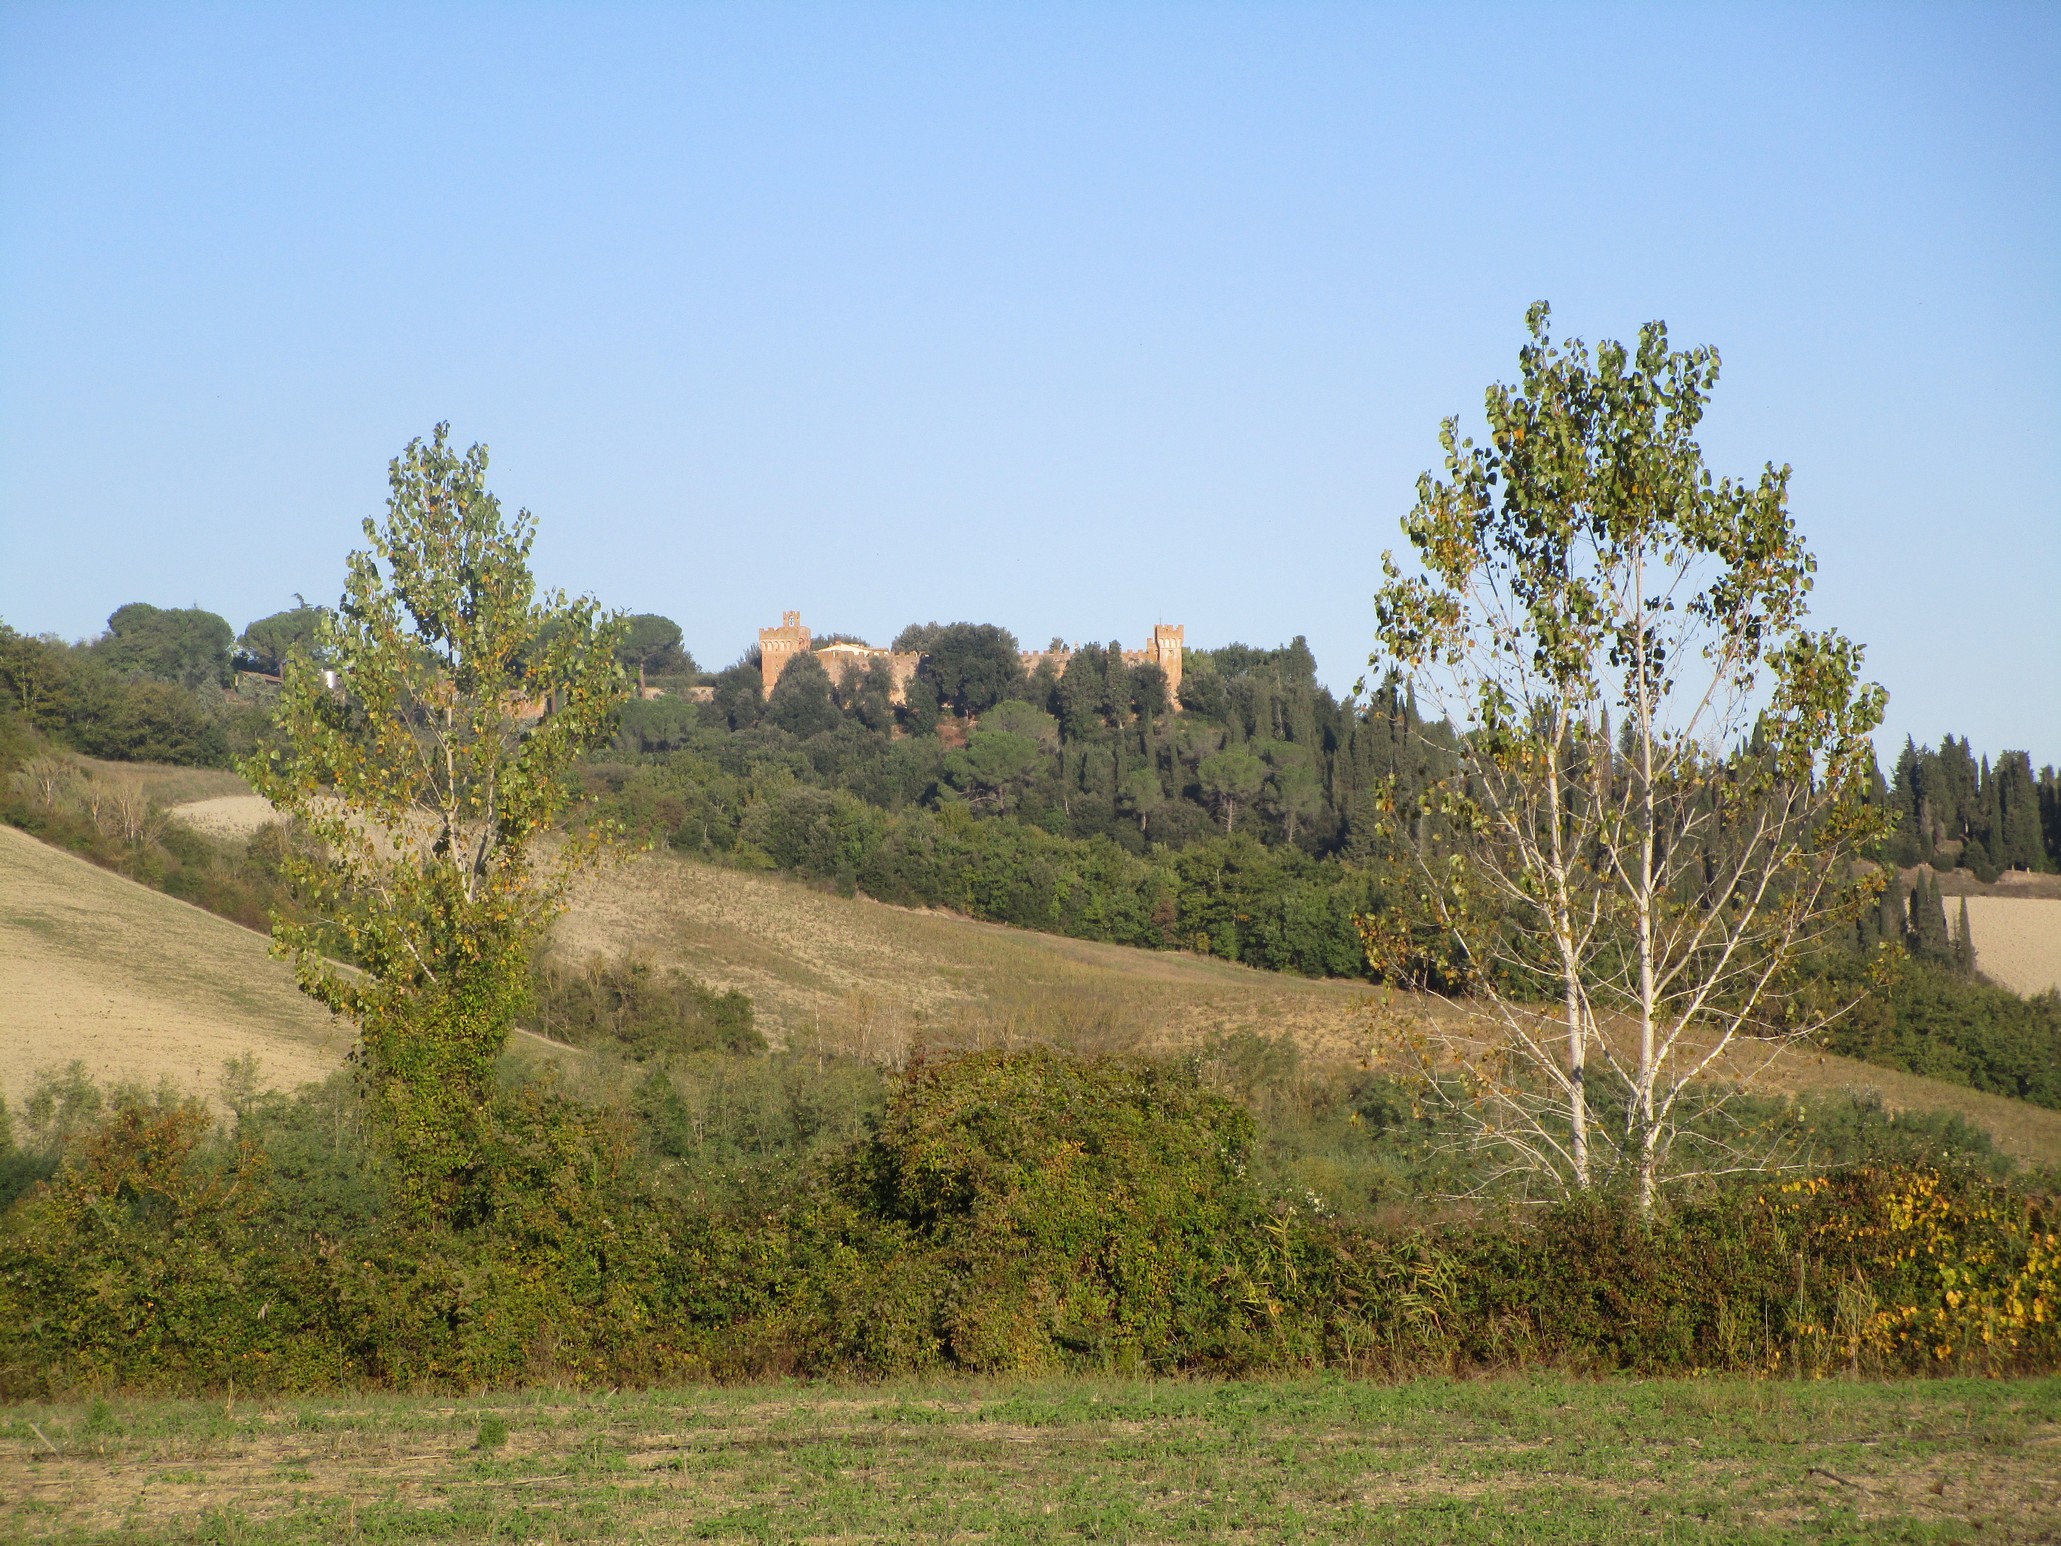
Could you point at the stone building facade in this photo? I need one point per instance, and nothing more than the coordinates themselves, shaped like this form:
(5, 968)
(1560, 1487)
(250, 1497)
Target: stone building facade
(844, 657)
(777, 646)
(1164, 651)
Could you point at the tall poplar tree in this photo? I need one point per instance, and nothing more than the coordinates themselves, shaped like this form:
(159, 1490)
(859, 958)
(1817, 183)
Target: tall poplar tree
(1662, 888)
(425, 758)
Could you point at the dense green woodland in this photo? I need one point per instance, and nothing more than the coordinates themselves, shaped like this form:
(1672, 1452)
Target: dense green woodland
(1257, 748)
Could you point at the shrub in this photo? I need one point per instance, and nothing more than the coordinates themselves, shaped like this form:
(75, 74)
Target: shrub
(640, 1009)
(1003, 1212)
(1093, 1213)
(1927, 1019)
(140, 1264)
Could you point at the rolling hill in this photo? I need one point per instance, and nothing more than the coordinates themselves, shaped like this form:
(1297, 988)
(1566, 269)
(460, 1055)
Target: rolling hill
(141, 987)
(852, 974)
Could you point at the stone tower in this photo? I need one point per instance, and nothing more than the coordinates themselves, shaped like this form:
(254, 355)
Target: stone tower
(1169, 640)
(777, 646)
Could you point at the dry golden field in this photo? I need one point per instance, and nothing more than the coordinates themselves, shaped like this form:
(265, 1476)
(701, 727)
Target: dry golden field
(858, 975)
(227, 816)
(167, 783)
(140, 987)
(2017, 940)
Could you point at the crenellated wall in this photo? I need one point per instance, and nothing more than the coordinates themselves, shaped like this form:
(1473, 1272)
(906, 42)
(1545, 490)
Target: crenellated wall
(779, 645)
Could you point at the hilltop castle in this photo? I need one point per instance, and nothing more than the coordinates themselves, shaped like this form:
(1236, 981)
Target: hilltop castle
(777, 646)
(1168, 641)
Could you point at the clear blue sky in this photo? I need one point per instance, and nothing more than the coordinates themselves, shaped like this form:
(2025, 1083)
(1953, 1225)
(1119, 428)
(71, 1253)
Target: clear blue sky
(1070, 318)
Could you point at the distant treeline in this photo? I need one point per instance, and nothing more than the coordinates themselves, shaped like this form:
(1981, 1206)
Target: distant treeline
(153, 688)
(1255, 825)
(1958, 811)
(179, 685)
(1258, 746)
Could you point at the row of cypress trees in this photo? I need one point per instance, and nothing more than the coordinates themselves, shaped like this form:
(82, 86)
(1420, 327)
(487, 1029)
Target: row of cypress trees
(1961, 810)
(1917, 919)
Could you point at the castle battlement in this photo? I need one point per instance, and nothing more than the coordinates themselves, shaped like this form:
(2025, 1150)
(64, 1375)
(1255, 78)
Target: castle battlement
(1164, 651)
(777, 646)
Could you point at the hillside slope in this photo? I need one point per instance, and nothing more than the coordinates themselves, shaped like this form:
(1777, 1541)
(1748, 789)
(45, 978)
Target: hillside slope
(140, 987)
(852, 974)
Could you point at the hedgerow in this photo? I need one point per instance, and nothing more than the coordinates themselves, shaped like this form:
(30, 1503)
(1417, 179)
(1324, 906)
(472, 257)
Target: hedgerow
(1001, 1212)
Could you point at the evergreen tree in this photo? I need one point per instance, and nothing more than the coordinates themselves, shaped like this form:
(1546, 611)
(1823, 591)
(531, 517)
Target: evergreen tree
(651, 648)
(186, 645)
(1986, 822)
(1928, 936)
(2050, 815)
(2017, 843)
(266, 643)
(868, 696)
(1964, 944)
(972, 666)
(1093, 695)
(1911, 844)
(1231, 779)
(1886, 924)
(1956, 800)
(740, 694)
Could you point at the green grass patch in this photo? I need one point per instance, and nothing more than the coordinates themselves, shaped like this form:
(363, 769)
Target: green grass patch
(1538, 1459)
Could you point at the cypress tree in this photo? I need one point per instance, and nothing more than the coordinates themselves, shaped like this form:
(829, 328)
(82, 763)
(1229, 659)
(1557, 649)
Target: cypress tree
(1907, 845)
(2017, 843)
(2050, 815)
(1986, 848)
(1928, 932)
(1891, 912)
(1964, 945)
(1960, 787)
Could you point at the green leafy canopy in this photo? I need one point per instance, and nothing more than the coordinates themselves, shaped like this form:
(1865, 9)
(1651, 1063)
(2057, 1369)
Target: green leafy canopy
(424, 759)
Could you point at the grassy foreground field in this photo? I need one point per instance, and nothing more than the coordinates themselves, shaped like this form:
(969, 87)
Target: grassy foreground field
(1543, 1459)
